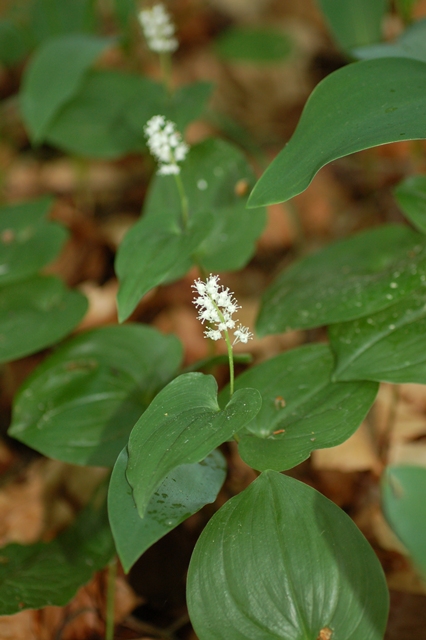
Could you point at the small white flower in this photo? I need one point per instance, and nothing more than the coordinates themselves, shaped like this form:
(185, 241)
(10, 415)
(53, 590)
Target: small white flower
(158, 29)
(216, 306)
(165, 144)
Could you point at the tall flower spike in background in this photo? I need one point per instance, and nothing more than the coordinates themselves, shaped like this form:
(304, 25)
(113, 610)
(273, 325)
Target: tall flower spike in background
(165, 144)
(216, 306)
(158, 29)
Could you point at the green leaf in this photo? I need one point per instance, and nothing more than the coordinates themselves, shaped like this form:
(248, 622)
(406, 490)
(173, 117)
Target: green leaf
(210, 175)
(411, 44)
(347, 280)
(388, 346)
(301, 406)
(355, 23)
(27, 240)
(50, 18)
(36, 313)
(39, 575)
(411, 197)
(183, 492)
(13, 47)
(280, 561)
(181, 426)
(54, 76)
(98, 121)
(97, 384)
(360, 106)
(256, 45)
(403, 497)
(151, 252)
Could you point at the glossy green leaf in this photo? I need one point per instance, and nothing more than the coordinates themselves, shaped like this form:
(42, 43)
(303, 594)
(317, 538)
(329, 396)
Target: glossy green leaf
(43, 574)
(348, 279)
(151, 252)
(210, 175)
(355, 23)
(97, 384)
(389, 346)
(248, 44)
(183, 492)
(27, 240)
(411, 44)
(98, 121)
(302, 409)
(35, 313)
(411, 197)
(54, 76)
(360, 106)
(13, 46)
(403, 498)
(280, 561)
(181, 426)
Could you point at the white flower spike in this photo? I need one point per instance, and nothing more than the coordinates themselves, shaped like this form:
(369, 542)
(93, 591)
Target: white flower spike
(165, 144)
(158, 29)
(216, 306)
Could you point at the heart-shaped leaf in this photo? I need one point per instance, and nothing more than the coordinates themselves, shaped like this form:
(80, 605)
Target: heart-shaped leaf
(27, 240)
(49, 574)
(302, 409)
(360, 106)
(216, 178)
(54, 76)
(355, 23)
(98, 384)
(35, 313)
(181, 426)
(387, 346)
(150, 252)
(346, 280)
(281, 561)
(411, 197)
(183, 492)
(403, 497)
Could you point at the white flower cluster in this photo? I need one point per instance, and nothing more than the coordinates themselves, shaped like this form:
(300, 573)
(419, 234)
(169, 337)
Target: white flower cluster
(165, 144)
(158, 29)
(216, 305)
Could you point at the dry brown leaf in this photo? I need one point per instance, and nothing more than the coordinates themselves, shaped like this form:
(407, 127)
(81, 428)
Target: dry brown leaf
(102, 304)
(407, 453)
(358, 453)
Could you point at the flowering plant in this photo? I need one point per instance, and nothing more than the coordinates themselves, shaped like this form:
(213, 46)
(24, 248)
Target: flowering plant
(277, 560)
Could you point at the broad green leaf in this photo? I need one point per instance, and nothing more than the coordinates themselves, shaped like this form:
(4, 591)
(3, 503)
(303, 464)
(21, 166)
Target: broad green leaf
(185, 105)
(151, 252)
(54, 76)
(347, 280)
(280, 561)
(97, 384)
(388, 346)
(27, 240)
(183, 492)
(211, 175)
(403, 497)
(35, 313)
(302, 409)
(411, 197)
(50, 18)
(98, 121)
(411, 44)
(248, 44)
(44, 574)
(13, 46)
(182, 425)
(363, 105)
(355, 23)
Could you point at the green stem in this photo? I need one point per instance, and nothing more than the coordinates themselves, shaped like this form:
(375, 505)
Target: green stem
(231, 363)
(112, 574)
(166, 71)
(183, 200)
